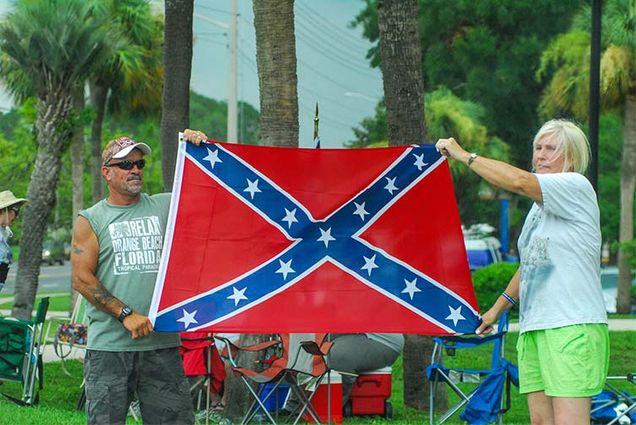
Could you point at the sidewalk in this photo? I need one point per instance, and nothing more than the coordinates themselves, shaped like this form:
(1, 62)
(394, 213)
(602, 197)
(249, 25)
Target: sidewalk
(614, 325)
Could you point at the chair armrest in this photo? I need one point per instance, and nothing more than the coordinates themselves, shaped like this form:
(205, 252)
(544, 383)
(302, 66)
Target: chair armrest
(231, 349)
(317, 350)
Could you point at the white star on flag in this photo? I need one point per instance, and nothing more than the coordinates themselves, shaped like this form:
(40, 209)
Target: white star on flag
(238, 295)
(252, 187)
(325, 236)
(360, 210)
(188, 318)
(285, 268)
(213, 157)
(390, 186)
(411, 287)
(419, 161)
(290, 217)
(369, 264)
(455, 315)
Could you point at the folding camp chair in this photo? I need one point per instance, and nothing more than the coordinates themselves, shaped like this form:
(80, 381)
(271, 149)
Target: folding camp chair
(71, 334)
(299, 357)
(614, 405)
(21, 343)
(203, 366)
(480, 391)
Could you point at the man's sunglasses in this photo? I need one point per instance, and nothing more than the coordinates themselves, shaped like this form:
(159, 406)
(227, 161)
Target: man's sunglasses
(15, 209)
(128, 164)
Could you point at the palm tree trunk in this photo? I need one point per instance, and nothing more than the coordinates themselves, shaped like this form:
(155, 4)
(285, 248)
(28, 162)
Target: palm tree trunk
(77, 155)
(52, 132)
(238, 397)
(626, 228)
(77, 167)
(277, 79)
(175, 103)
(401, 54)
(98, 99)
(276, 60)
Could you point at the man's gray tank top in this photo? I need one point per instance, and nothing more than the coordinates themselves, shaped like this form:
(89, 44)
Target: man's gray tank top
(130, 242)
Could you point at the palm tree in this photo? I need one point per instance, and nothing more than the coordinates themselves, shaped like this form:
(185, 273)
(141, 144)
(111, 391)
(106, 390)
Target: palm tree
(276, 61)
(568, 91)
(277, 79)
(618, 84)
(401, 56)
(131, 78)
(49, 48)
(177, 63)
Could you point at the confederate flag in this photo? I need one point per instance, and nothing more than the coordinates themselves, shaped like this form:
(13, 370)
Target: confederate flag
(264, 239)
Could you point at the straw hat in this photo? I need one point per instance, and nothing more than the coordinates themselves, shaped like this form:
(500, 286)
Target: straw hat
(7, 198)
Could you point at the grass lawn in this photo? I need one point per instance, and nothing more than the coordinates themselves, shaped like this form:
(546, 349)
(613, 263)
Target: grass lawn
(61, 392)
(56, 303)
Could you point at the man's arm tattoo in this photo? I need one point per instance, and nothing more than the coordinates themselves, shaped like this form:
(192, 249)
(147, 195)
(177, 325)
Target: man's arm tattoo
(77, 250)
(102, 297)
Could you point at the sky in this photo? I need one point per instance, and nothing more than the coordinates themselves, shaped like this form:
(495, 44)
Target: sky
(331, 64)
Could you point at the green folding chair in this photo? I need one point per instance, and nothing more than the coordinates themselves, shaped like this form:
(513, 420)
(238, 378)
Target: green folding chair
(21, 343)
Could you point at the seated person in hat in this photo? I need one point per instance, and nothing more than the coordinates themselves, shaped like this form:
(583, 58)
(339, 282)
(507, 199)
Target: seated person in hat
(9, 209)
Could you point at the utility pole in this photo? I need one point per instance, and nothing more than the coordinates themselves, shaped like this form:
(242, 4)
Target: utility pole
(232, 96)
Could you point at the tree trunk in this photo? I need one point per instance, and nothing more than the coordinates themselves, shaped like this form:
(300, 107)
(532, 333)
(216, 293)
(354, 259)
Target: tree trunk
(77, 168)
(177, 64)
(53, 131)
(99, 94)
(401, 66)
(77, 155)
(277, 80)
(276, 59)
(238, 397)
(401, 55)
(628, 180)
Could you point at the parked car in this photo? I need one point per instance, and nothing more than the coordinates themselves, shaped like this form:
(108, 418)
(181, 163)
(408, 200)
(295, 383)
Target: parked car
(609, 283)
(53, 252)
(482, 248)
(482, 251)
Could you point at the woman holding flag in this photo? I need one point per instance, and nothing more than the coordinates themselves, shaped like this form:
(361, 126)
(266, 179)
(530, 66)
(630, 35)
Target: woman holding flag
(563, 346)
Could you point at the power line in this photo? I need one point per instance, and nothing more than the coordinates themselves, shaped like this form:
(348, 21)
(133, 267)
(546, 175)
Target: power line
(305, 65)
(332, 52)
(324, 98)
(210, 41)
(212, 9)
(322, 22)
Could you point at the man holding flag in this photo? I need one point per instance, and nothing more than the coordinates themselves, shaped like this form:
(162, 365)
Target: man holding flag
(115, 258)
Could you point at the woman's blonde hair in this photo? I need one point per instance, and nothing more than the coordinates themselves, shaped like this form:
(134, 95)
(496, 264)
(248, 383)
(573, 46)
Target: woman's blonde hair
(570, 141)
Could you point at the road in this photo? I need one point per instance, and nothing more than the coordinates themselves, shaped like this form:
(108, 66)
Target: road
(52, 278)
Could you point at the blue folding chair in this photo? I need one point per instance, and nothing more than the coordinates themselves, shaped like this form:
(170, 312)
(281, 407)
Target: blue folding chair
(614, 405)
(480, 391)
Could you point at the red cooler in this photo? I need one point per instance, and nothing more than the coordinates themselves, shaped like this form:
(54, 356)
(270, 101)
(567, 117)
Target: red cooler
(370, 394)
(330, 384)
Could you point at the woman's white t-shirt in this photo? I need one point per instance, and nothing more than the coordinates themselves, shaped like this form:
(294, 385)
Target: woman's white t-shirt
(559, 248)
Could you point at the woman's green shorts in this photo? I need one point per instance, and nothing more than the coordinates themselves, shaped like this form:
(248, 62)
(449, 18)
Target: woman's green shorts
(571, 361)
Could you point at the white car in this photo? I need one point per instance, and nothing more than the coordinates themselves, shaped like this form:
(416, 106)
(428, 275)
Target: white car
(609, 283)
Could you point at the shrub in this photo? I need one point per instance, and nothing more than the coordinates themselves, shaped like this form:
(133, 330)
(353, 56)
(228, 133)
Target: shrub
(490, 281)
